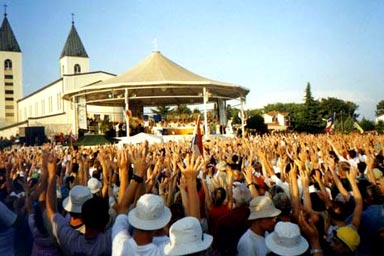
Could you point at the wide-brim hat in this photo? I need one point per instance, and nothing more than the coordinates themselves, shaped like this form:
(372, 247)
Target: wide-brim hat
(286, 240)
(78, 195)
(186, 237)
(262, 207)
(150, 213)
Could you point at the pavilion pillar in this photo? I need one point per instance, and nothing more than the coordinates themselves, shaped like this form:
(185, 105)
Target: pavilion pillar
(242, 100)
(126, 112)
(205, 99)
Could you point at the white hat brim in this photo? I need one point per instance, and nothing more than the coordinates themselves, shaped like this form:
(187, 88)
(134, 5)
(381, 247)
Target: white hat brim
(185, 249)
(69, 207)
(149, 224)
(287, 251)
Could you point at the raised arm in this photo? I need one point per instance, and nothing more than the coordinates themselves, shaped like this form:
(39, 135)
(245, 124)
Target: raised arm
(357, 212)
(192, 167)
(51, 204)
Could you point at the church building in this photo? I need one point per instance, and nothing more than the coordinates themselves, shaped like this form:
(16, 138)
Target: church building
(45, 106)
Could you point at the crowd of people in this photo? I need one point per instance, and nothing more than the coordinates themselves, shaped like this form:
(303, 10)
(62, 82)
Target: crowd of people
(281, 194)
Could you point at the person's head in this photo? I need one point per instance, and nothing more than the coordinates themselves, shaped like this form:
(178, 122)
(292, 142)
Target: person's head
(375, 195)
(286, 240)
(361, 166)
(150, 213)
(78, 195)
(276, 189)
(283, 203)
(95, 214)
(94, 185)
(345, 241)
(263, 212)
(187, 238)
(219, 196)
(241, 195)
(338, 211)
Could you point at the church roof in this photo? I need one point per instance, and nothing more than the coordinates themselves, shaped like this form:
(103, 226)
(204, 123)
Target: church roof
(8, 40)
(73, 46)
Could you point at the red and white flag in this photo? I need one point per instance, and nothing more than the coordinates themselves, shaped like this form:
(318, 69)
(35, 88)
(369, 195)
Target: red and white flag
(197, 139)
(330, 123)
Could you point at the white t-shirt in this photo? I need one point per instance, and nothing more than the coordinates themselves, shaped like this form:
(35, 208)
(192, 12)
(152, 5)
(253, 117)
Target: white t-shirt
(251, 243)
(124, 244)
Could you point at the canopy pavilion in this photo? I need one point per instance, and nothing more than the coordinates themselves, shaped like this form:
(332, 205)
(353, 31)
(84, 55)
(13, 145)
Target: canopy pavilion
(157, 81)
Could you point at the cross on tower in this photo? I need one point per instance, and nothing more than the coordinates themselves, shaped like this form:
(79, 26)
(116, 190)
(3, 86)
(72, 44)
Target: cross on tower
(5, 10)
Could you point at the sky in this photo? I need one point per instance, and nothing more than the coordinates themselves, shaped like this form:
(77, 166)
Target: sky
(272, 47)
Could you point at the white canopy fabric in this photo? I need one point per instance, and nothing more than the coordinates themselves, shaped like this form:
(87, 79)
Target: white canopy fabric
(157, 81)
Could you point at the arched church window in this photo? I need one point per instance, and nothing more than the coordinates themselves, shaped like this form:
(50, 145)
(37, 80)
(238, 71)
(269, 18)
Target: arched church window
(7, 64)
(77, 69)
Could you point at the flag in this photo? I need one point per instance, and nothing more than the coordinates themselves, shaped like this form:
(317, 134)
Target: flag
(73, 137)
(358, 127)
(197, 139)
(330, 123)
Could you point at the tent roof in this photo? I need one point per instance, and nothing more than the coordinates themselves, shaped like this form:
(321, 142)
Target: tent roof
(157, 81)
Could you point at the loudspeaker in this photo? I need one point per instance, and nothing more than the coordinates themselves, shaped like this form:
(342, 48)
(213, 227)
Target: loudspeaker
(33, 135)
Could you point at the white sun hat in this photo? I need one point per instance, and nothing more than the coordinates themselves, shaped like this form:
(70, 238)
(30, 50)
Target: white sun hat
(187, 237)
(286, 240)
(94, 185)
(78, 195)
(150, 213)
(262, 207)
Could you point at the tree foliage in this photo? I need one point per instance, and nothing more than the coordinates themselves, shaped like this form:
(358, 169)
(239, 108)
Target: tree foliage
(255, 124)
(380, 108)
(162, 110)
(367, 125)
(310, 115)
(182, 109)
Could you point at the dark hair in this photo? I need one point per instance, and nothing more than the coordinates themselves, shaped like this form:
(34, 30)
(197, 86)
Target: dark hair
(95, 213)
(339, 211)
(317, 204)
(361, 166)
(219, 196)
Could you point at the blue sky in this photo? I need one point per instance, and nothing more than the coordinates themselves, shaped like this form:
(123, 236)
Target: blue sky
(271, 47)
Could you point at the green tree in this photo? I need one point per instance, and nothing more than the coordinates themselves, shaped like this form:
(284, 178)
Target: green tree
(380, 108)
(367, 125)
(308, 119)
(331, 105)
(163, 111)
(255, 124)
(233, 113)
(182, 109)
(380, 127)
(344, 124)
